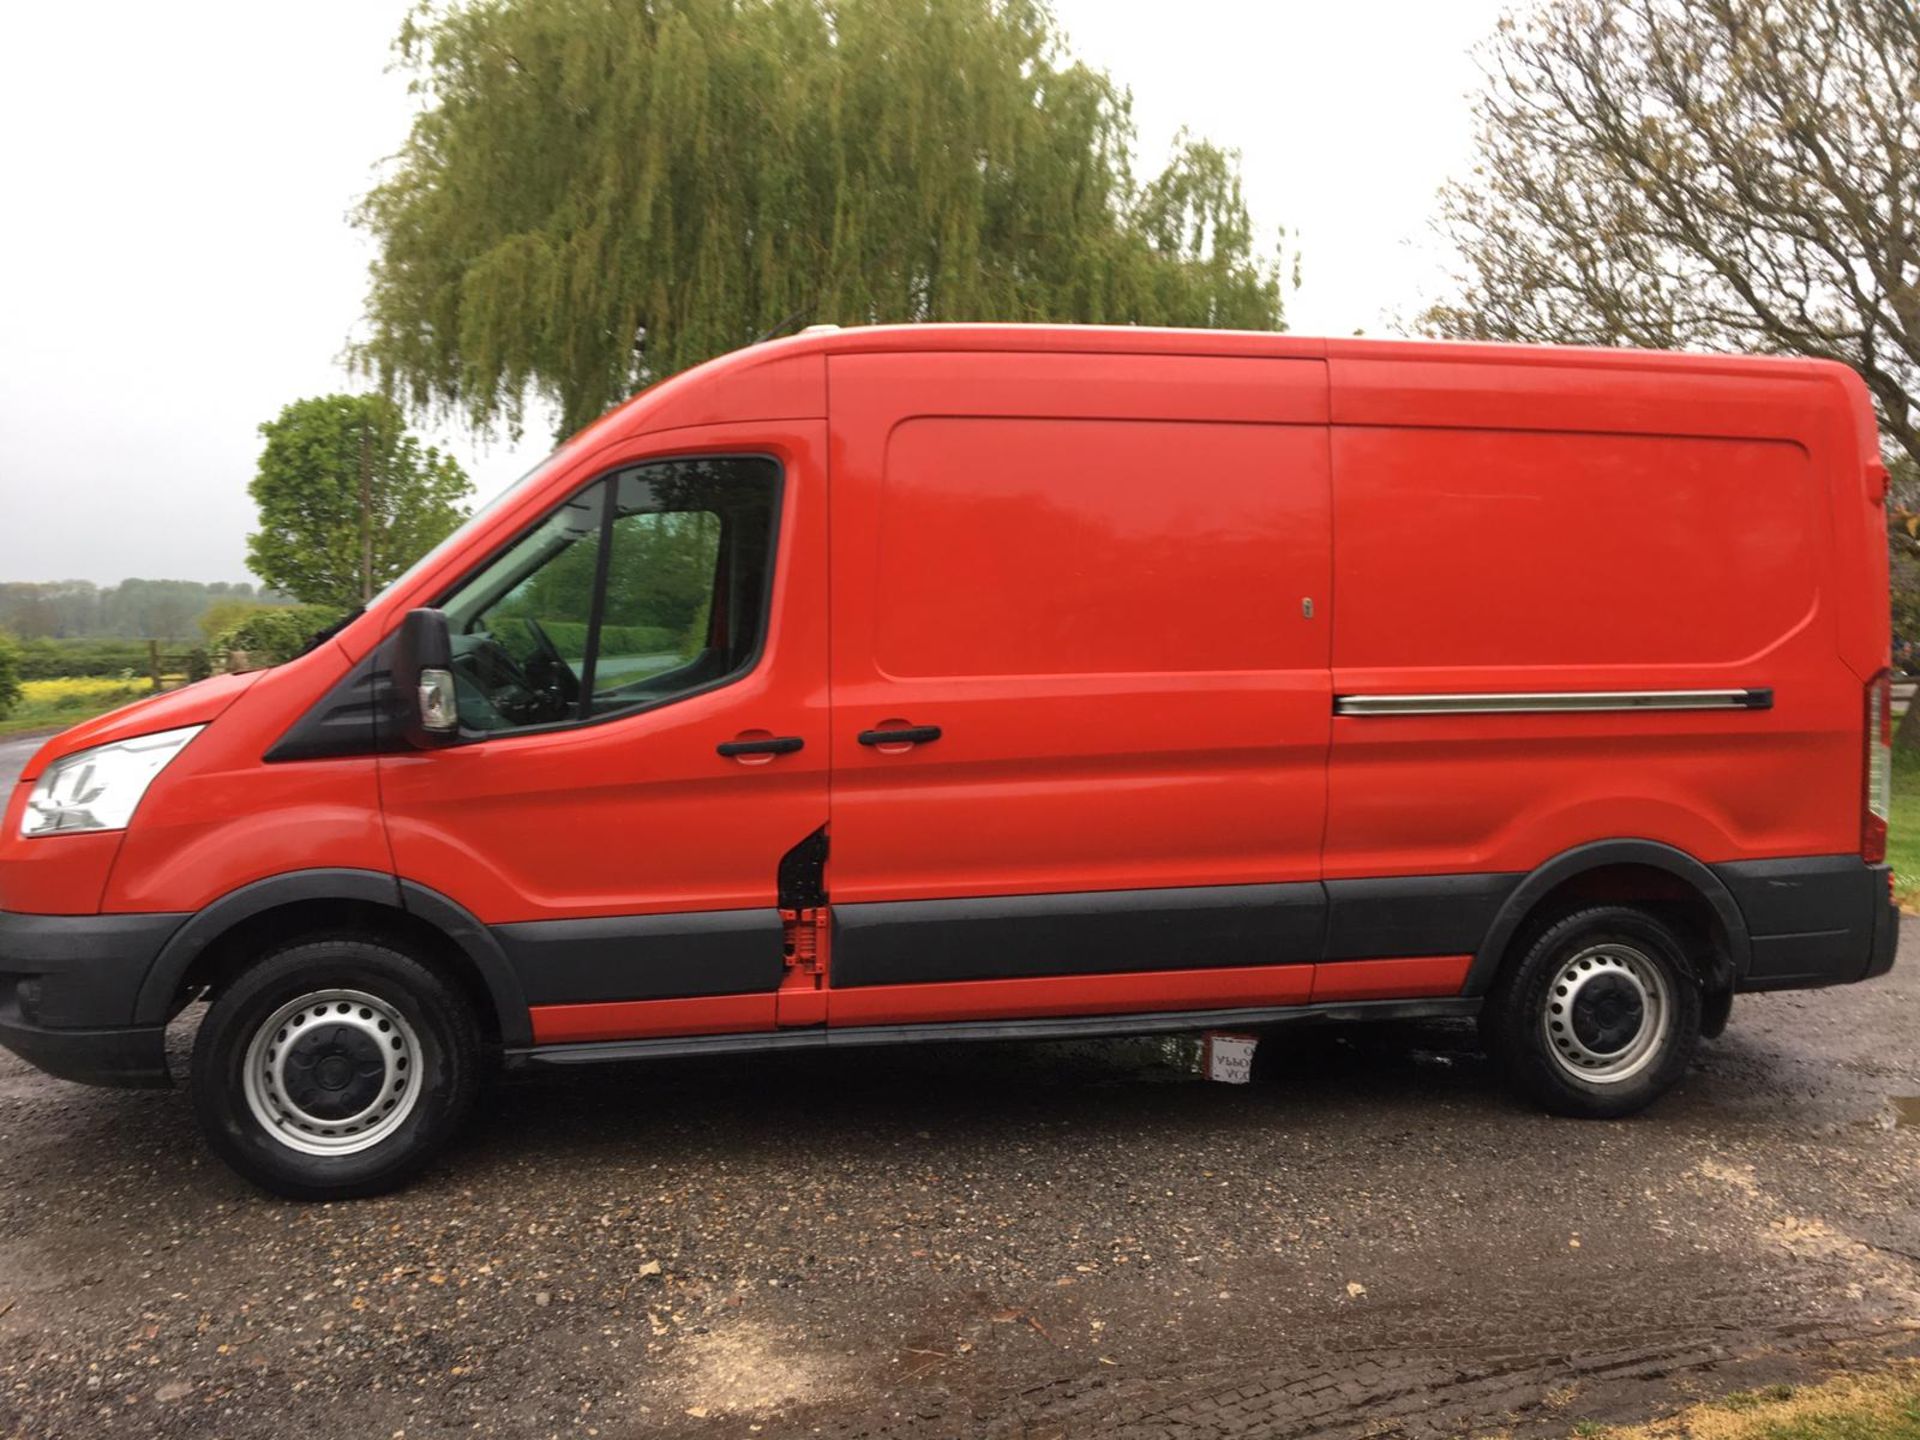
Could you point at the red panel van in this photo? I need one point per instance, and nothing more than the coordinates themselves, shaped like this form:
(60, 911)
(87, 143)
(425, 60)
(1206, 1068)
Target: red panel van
(878, 686)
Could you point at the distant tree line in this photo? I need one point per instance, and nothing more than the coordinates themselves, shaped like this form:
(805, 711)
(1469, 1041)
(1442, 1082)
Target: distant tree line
(9, 677)
(132, 610)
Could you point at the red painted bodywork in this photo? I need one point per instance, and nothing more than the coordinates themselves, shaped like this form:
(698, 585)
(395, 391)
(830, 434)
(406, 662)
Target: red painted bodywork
(639, 816)
(1131, 694)
(1252, 985)
(1259, 523)
(70, 877)
(1405, 978)
(217, 818)
(625, 1019)
(1664, 522)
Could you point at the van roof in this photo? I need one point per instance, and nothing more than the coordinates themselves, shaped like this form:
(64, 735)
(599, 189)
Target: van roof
(707, 393)
(1140, 339)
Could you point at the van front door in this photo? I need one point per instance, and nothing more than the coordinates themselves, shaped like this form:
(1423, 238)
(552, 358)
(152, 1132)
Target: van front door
(1081, 701)
(642, 699)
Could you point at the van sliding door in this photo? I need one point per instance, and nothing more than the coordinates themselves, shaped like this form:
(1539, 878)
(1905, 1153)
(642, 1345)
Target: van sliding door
(1080, 690)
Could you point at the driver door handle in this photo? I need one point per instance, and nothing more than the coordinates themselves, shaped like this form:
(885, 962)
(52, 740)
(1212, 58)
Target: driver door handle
(910, 735)
(773, 745)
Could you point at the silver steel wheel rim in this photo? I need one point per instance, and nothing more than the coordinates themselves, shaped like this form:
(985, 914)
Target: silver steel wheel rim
(304, 1047)
(1607, 1014)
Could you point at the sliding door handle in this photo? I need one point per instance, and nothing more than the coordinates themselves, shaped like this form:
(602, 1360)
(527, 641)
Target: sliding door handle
(772, 745)
(905, 735)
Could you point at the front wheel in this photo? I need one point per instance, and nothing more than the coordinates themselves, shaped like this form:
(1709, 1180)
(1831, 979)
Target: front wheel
(335, 1068)
(1599, 1017)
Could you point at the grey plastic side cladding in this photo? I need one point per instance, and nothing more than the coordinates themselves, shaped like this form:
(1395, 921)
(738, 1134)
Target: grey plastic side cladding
(483, 950)
(1601, 853)
(370, 887)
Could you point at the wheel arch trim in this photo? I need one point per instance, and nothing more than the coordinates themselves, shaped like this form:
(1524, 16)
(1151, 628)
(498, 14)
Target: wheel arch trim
(466, 934)
(1601, 855)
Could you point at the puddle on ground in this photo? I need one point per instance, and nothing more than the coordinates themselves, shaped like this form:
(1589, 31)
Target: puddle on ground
(1906, 1109)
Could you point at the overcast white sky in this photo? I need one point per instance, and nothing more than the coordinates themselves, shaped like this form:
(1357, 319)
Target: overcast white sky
(176, 263)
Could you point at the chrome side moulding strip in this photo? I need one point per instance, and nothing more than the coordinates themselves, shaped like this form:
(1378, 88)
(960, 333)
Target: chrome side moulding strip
(1542, 702)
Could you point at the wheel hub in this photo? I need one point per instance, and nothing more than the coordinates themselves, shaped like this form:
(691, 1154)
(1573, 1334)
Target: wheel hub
(1607, 1013)
(333, 1072)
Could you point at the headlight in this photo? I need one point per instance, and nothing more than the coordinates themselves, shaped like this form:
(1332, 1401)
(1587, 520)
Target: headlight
(98, 789)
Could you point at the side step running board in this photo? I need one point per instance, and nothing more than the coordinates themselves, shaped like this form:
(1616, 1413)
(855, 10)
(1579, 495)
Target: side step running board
(1074, 1027)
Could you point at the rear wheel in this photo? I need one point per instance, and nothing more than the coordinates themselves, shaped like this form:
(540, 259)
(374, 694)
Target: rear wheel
(1599, 1017)
(334, 1068)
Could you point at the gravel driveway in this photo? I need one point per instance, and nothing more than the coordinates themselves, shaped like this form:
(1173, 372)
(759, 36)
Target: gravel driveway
(1008, 1241)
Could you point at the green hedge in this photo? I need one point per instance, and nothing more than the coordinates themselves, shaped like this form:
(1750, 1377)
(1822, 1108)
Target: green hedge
(637, 640)
(43, 659)
(272, 637)
(9, 674)
(570, 636)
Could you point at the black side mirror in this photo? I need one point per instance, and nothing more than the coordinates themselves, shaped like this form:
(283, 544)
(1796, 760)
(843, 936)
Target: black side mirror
(429, 714)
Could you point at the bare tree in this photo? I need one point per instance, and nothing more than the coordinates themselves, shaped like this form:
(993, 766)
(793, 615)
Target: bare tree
(1732, 174)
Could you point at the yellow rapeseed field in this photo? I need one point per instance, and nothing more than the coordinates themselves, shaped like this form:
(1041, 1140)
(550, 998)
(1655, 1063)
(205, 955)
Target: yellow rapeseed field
(56, 704)
(82, 692)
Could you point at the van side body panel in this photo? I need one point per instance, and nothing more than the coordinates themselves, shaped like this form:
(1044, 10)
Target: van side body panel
(1511, 526)
(1095, 577)
(1133, 579)
(1680, 539)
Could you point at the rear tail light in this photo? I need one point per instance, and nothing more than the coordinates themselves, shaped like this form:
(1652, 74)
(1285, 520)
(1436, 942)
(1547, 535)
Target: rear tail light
(1879, 796)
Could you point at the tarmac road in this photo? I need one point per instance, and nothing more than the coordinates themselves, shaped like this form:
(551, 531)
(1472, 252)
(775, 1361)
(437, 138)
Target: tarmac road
(1012, 1240)
(14, 754)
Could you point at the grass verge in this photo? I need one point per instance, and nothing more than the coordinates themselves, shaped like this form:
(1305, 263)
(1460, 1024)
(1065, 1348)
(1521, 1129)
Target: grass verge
(1903, 828)
(1850, 1407)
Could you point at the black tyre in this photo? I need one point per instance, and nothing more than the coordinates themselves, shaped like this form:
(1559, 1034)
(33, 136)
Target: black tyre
(1599, 1017)
(334, 1068)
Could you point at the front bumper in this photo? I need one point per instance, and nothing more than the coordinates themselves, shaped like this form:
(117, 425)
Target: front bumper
(68, 987)
(1819, 920)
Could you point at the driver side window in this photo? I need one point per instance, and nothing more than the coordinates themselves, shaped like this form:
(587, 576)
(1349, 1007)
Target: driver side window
(649, 585)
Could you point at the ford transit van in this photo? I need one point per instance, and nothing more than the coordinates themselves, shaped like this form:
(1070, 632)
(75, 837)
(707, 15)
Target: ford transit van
(947, 682)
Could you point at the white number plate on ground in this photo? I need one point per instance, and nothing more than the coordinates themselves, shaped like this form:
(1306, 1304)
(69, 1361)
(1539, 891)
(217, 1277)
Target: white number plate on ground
(1229, 1058)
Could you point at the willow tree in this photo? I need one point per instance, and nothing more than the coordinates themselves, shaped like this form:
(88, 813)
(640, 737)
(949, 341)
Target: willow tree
(598, 193)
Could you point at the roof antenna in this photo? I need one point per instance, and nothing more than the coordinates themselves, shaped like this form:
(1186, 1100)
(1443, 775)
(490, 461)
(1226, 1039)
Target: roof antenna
(785, 326)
